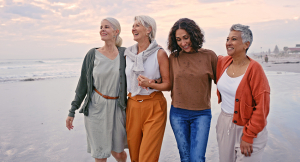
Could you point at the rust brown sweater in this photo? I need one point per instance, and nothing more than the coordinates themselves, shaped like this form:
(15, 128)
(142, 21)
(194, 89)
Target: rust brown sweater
(191, 76)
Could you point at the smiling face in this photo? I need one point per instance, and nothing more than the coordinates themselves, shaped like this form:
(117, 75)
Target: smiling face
(107, 32)
(183, 40)
(235, 45)
(139, 31)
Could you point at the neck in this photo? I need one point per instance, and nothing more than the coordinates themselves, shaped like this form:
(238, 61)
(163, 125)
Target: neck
(143, 45)
(109, 46)
(239, 60)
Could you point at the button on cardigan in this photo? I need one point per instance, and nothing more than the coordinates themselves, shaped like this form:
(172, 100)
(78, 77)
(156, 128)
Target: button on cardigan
(85, 84)
(252, 98)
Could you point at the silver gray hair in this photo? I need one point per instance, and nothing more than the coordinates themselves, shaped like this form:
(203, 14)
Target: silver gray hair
(147, 22)
(116, 26)
(246, 33)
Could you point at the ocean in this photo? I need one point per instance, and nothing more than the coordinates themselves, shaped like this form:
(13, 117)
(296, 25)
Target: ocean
(13, 70)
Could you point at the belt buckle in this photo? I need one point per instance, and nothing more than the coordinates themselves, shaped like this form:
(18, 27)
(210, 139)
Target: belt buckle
(140, 100)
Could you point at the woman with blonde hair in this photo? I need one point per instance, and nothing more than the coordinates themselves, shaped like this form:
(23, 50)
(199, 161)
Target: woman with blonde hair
(103, 85)
(147, 108)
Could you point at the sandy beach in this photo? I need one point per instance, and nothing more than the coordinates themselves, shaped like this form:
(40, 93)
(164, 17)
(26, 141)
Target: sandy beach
(284, 63)
(33, 113)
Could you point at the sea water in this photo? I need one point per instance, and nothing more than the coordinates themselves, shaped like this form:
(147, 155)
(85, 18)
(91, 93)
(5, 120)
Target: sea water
(13, 70)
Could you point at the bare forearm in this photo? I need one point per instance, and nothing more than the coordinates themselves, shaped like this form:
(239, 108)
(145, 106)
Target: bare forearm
(161, 86)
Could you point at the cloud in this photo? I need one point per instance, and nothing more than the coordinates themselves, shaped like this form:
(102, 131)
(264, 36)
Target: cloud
(26, 10)
(47, 24)
(62, 1)
(289, 6)
(214, 1)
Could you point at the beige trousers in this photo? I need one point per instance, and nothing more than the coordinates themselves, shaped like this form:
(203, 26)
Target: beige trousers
(229, 138)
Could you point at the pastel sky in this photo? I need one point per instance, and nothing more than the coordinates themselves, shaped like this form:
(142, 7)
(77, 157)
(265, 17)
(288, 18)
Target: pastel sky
(33, 29)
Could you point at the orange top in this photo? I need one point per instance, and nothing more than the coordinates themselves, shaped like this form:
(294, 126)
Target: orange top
(252, 99)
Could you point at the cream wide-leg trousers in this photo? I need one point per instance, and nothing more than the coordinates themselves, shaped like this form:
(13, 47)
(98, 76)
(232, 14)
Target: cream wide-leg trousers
(229, 137)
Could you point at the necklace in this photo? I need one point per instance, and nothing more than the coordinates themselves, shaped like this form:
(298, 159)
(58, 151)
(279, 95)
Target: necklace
(238, 65)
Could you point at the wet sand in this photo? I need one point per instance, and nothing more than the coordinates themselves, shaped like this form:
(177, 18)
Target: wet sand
(33, 113)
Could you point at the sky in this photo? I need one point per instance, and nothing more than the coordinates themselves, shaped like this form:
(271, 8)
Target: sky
(42, 29)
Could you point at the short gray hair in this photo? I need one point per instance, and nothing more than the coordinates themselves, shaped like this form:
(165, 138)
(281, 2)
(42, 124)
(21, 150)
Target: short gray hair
(116, 26)
(147, 22)
(246, 33)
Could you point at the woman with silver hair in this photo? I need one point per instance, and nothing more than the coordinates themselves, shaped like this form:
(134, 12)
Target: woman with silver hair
(102, 83)
(146, 110)
(244, 91)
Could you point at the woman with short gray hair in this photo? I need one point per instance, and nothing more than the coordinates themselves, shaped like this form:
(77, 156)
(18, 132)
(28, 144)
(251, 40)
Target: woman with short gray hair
(244, 91)
(146, 111)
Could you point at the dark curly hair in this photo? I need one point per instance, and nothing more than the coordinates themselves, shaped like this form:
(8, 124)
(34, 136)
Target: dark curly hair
(194, 31)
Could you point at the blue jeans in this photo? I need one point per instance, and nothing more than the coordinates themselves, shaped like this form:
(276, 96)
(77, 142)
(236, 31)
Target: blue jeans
(191, 130)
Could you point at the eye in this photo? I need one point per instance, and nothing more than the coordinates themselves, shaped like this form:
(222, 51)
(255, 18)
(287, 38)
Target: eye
(227, 39)
(233, 38)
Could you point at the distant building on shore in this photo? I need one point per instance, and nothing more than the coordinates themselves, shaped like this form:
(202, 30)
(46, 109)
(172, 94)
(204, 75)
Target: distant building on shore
(292, 50)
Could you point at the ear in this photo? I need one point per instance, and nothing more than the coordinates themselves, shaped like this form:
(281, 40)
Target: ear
(246, 45)
(149, 30)
(117, 31)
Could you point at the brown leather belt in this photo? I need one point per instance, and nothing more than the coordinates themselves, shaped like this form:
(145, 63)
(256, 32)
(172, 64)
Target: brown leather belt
(104, 96)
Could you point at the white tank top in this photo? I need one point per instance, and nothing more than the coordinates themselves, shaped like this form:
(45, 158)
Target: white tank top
(151, 71)
(227, 86)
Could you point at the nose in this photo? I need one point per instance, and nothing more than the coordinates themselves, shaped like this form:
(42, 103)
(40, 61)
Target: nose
(183, 42)
(228, 43)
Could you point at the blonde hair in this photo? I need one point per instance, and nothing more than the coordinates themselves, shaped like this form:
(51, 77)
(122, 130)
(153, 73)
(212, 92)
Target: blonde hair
(147, 22)
(116, 26)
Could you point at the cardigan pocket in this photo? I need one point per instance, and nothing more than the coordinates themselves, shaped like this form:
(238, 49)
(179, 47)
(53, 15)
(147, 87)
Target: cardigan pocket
(248, 110)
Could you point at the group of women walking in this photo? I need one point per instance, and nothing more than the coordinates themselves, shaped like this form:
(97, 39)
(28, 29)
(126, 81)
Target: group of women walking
(124, 106)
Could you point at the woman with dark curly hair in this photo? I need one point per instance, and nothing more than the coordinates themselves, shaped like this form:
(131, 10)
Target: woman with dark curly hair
(192, 70)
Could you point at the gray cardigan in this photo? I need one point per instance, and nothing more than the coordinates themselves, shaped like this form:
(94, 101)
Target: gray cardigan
(85, 84)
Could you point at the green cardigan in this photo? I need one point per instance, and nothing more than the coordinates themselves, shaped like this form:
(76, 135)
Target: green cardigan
(85, 84)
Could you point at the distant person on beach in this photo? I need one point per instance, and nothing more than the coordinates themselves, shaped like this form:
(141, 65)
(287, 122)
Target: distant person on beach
(244, 91)
(192, 70)
(266, 59)
(102, 83)
(146, 108)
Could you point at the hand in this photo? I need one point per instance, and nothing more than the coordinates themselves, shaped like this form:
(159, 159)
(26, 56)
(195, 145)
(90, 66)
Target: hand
(246, 148)
(69, 122)
(144, 81)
